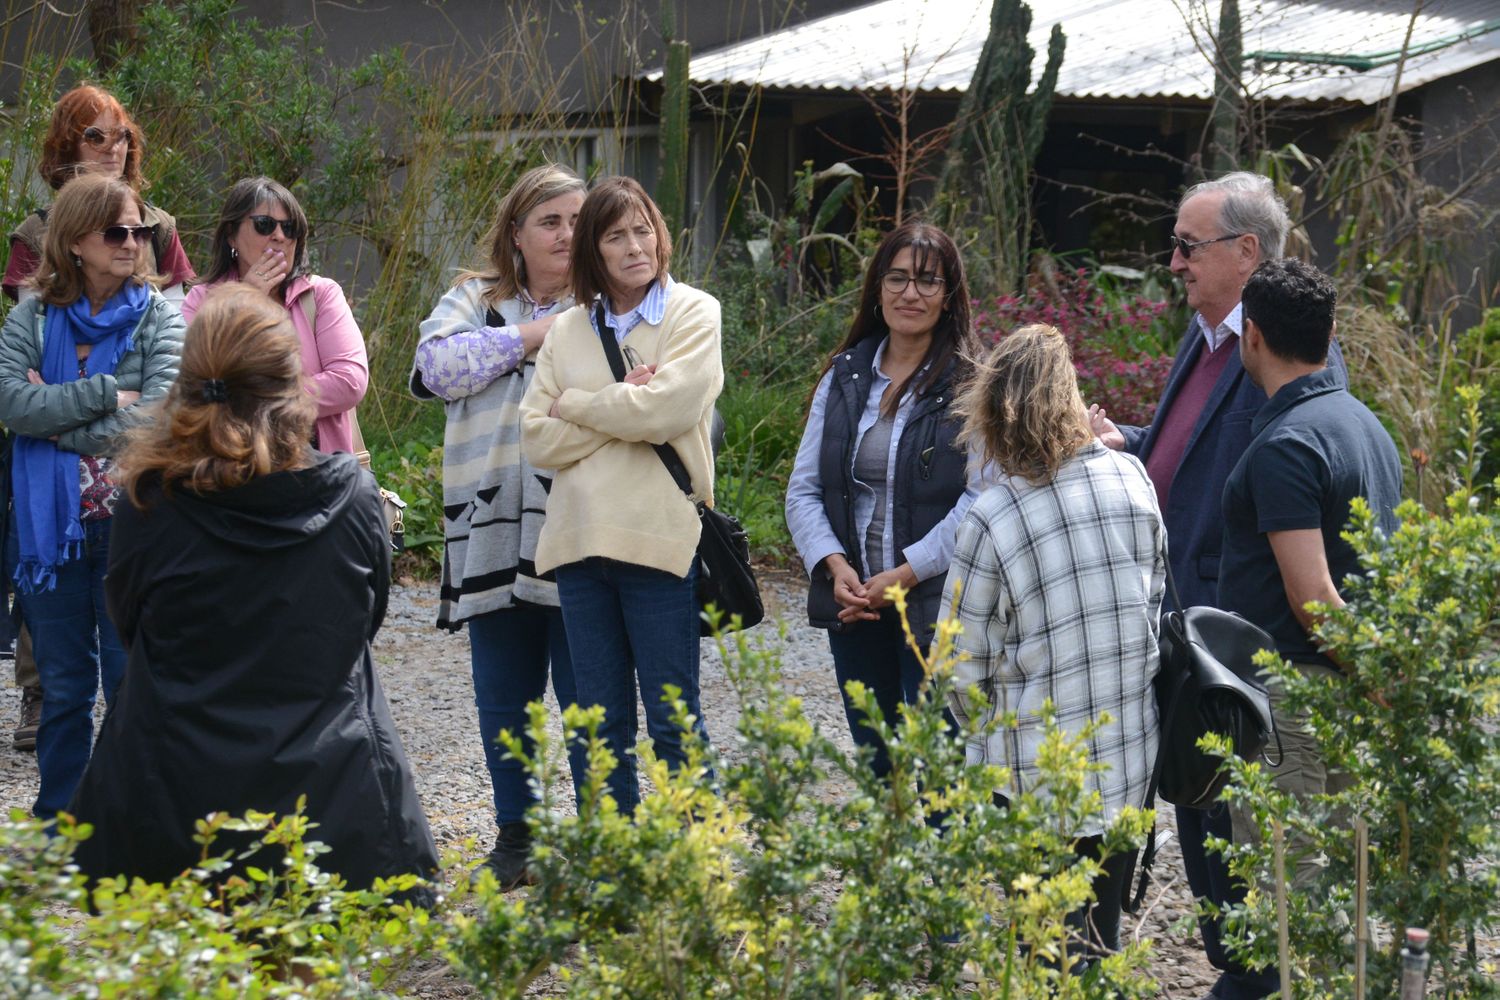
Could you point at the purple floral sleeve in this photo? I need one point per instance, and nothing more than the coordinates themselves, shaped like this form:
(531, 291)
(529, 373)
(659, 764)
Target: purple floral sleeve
(462, 364)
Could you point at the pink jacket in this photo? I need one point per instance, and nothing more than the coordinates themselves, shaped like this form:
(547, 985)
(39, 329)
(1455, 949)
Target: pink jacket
(333, 355)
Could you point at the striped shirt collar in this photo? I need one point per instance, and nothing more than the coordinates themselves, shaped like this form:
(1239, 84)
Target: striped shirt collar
(652, 310)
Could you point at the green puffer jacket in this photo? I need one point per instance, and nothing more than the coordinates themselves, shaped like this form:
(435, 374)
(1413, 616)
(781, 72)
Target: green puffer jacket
(84, 414)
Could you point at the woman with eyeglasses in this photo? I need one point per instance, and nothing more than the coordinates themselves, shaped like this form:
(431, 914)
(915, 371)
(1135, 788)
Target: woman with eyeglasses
(78, 359)
(91, 132)
(879, 486)
(477, 354)
(633, 366)
(261, 241)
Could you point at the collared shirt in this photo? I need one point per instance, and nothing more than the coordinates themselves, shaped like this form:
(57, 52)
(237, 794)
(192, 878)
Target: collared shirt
(650, 310)
(1316, 448)
(1233, 324)
(1062, 591)
(811, 532)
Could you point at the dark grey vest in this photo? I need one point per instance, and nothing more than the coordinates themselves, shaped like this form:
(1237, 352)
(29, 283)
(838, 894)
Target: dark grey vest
(930, 479)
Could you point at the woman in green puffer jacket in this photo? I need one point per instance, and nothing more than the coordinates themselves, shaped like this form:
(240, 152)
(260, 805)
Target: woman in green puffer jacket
(77, 362)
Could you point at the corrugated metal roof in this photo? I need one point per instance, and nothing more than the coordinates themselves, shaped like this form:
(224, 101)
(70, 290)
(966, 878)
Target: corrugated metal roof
(1115, 48)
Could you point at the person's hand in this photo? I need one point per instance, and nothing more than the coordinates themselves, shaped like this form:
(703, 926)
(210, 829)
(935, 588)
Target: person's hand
(1104, 429)
(641, 375)
(268, 272)
(848, 592)
(126, 397)
(534, 332)
(875, 585)
(34, 377)
(553, 412)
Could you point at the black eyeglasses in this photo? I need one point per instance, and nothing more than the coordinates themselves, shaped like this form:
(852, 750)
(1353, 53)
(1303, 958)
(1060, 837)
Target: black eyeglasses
(101, 138)
(895, 282)
(114, 236)
(1185, 248)
(265, 225)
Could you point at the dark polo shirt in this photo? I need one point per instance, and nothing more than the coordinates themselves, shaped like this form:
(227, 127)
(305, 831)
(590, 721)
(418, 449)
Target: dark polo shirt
(1313, 449)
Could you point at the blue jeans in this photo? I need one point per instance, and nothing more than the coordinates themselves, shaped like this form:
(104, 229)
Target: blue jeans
(875, 653)
(628, 622)
(77, 653)
(509, 652)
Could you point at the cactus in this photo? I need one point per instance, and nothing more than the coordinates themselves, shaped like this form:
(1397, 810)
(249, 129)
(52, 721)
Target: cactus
(671, 184)
(1224, 152)
(986, 178)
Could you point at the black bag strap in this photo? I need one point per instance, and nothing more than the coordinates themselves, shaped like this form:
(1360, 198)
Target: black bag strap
(665, 452)
(1131, 902)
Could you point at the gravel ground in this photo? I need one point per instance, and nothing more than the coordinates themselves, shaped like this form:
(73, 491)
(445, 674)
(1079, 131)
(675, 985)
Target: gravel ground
(426, 676)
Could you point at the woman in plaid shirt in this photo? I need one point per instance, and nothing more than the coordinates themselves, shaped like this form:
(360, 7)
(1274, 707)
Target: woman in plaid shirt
(1062, 564)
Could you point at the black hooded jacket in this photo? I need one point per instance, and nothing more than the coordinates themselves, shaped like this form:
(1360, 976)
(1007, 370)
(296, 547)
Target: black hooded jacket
(248, 616)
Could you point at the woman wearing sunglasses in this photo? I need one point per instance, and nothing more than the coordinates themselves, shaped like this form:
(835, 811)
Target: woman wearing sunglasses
(91, 132)
(879, 486)
(261, 240)
(77, 361)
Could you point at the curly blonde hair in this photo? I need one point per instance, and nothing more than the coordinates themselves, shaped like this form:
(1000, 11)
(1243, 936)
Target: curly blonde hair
(1021, 407)
(238, 410)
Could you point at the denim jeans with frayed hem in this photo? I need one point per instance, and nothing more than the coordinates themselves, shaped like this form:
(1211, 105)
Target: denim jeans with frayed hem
(629, 623)
(78, 653)
(509, 654)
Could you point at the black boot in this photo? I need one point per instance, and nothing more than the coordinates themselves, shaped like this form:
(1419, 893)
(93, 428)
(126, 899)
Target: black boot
(511, 858)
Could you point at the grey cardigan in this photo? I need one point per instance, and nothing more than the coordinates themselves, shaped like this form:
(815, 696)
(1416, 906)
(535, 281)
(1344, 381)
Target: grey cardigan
(84, 415)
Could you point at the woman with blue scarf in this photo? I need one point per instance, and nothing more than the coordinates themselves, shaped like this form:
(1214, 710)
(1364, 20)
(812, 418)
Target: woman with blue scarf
(77, 362)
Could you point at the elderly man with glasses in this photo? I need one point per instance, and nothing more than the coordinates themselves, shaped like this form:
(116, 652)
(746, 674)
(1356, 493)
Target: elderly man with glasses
(1225, 228)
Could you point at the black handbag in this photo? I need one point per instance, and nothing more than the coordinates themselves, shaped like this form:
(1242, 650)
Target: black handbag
(726, 579)
(1207, 683)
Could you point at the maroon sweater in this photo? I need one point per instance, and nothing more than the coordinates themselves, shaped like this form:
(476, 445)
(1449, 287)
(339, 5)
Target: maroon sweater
(1182, 416)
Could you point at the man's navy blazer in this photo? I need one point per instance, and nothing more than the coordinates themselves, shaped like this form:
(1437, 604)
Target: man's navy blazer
(1194, 514)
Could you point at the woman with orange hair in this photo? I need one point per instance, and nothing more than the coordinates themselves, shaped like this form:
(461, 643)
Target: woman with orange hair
(91, 132)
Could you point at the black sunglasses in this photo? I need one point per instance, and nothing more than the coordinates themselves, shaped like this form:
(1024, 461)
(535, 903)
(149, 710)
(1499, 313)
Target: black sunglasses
(1185, 248)
(114, 236)
(265, 225)
(100, 138)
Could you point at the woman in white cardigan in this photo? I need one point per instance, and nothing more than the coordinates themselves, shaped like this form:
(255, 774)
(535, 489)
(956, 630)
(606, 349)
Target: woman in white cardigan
(620, 534)
(478, 354)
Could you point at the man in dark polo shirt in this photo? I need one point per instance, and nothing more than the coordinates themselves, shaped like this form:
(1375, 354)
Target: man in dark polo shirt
(1225, 228)
(1315, 448)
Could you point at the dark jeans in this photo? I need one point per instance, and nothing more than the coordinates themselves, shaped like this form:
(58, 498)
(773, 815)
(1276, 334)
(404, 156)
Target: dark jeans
(77, 653)
(509, 652)
(1099, 922)
(875, 653)
(627, 623)
(1208, 876)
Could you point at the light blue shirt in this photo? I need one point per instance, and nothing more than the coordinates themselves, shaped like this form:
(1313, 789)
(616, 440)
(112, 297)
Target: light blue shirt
(651, 310)
(813, 535)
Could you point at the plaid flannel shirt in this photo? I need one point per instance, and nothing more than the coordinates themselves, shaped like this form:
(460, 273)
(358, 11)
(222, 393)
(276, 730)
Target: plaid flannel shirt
(1062, 591)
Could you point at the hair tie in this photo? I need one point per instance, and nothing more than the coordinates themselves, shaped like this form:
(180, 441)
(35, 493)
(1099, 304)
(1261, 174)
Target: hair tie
(214, 391)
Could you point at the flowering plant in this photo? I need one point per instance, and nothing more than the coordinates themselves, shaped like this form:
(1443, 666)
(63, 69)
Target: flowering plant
(1103, 333)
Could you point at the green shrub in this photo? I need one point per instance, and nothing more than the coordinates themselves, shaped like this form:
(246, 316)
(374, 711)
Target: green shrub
(290, 931)
(794, 872)
(1413, 722)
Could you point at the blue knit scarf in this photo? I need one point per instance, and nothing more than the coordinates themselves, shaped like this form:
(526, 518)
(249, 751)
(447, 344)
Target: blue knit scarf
(44, 478)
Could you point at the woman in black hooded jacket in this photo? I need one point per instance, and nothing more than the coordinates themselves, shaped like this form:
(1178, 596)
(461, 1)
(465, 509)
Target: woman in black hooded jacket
(247, 576)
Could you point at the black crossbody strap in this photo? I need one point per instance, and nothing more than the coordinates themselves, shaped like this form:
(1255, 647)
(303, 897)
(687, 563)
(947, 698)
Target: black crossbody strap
(665, 452)
(1129, 902)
